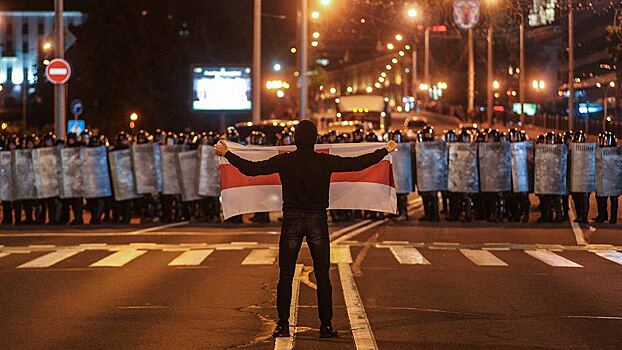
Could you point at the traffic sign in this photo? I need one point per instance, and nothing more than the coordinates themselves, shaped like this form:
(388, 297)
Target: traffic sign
(58, 71)
(76, 107)
(76, 126)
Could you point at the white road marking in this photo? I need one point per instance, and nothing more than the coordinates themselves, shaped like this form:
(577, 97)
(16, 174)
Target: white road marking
(408, 256)
(576, 228)
(133, 233)
(340, 254)
(361, 330)
(482, 257)
(161, 227)
(343, 230)
(3, 254)
(49, 259)
(359, 231)
(191, 257)
(119, 258)
(552, 259)
(261, 257)
(288, 343)
(610, 255)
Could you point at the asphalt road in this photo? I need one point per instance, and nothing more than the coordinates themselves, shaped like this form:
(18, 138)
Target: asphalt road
(397, 285)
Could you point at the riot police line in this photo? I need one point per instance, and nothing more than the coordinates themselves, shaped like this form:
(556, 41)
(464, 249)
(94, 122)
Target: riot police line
(166, 177)
(488, 175)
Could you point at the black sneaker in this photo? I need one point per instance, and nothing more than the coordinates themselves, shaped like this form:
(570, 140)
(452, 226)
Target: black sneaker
(328, 332)
(281, 330)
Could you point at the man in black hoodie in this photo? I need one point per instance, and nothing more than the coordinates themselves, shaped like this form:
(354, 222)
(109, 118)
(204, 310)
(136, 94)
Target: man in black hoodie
(305, 179)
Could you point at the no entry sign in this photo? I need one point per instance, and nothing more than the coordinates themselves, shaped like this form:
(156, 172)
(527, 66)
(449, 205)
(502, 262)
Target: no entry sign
(58, 71)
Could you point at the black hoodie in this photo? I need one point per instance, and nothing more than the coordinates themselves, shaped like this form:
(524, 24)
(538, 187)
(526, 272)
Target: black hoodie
(304, 173)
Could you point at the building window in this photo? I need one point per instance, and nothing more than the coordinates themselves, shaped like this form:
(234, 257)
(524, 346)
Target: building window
(41, 28)
(9, 28)
(25, 28)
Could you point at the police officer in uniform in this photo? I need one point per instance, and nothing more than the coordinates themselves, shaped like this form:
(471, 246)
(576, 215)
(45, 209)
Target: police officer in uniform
(95, 205)
(481, 201)
(497, 198)
(371, 136)
(567, 137)
(167, 214)
(517, 202)
(581, 200)
(148, 205)
(76, 205)
(29, 205)
(210, 205)
(49, 207)
(402, 198)
(430, 198)
(121, 210)
(449, 136)
(8, 207)
(607, 139)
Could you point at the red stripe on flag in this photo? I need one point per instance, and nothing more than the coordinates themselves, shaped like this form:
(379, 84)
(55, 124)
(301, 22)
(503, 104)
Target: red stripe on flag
(231, 177)
(381, 173)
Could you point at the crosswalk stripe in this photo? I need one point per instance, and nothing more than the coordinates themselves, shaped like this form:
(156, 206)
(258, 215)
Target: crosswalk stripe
(552, 259)
(49, 259)
(482, 257)
(359, 323)
(261, 257)
(408, 256)
(191, 257)
(610, 255)
(3, 254)
(119, 258)
(340, 254)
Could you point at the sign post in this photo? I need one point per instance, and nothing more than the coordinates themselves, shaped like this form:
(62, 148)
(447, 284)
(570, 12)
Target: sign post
(59, 89)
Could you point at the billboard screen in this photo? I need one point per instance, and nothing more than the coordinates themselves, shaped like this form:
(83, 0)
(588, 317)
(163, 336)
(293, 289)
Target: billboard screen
(221, 89)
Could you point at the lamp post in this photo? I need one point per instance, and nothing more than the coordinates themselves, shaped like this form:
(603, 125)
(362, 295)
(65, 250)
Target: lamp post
(256, 61)
(60, 91)
(303, 32)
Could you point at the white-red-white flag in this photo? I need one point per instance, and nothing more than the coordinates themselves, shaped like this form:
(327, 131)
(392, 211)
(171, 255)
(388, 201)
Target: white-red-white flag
(369, 189)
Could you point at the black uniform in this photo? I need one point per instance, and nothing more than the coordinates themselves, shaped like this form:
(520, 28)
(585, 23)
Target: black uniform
(607, 139)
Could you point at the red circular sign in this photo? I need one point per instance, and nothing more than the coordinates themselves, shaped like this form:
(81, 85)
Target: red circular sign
(58, 71)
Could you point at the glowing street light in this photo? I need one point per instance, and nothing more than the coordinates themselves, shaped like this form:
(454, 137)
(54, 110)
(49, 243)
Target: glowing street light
(394, 60)
(134, 116)
(277, 67)
(369, 89)
(612, 84)
(325, 2)
(316, 35)
(315, 15)
(293, 50)
(280, 93)
(496, 85)
(412, 12)
(424, 87)
(399, 37)
(388, 67)
(315, 43)
(47, 45)
(390, 46)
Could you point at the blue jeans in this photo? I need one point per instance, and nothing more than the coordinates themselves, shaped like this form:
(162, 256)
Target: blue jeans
(297, 225)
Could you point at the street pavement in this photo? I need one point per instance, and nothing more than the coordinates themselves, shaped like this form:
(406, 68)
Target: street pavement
(397, 285)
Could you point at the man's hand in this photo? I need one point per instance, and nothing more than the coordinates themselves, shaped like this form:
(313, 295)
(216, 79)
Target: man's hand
(391, 146)
(221, 148)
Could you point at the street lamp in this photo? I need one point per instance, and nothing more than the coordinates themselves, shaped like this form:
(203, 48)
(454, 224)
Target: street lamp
(277, 67)
(47, 45)
(325, 2)
(133, 119)
(496, 85)
(411, 12)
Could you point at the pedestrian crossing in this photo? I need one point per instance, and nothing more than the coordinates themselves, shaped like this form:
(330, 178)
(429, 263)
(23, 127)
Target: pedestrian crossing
(253, 254)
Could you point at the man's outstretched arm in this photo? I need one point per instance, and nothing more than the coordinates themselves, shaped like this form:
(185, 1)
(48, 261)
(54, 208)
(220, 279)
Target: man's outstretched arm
(247, 167)
(343, 164)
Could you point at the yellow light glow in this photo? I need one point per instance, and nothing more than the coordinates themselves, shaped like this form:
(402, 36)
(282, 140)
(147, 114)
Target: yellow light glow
(496, 85)
(315, 15)
(381, 79)
(390, 46)
(394, 60)
(369, 89)
(337, 100)
(349, 89)
(383, 74)
(401, 53)
(47, 45)
(399, 37)
(424, 87)
(333, 90)
(541, 84)
(134, 116)
(377, 85)
(612, 84)
(325, 2)
(407, 47)
(280, 93)
(4, 126)
(412, 12)
(388, 67)
(496, 95)
(314, 43)
(316, 35)
(46, 62)
(293, 50)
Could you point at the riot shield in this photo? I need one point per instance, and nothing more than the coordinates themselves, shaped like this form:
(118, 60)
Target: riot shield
(23, 175)
(463, 174)
(209, 176)
(170, 179)
(402, 168)
(147, 169)
(609, 171)
(122, 175)
(6, 177)
(520, 166)
(95, 175)
(431, 160)
(71, 173)
(46, 164)
(495, 167)
(187, 170)
(582, 167)
(550, 169)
